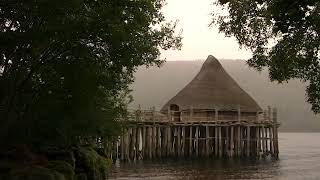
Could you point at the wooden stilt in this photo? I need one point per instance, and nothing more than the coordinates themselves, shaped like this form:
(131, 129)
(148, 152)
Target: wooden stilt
(122, 145)
(275, 134)
(263, 139)
(220, 141)
(133, 149)
(127, 145)
(216, 141)
(258, 141)
(159, 141)
(153, 138)
(179, 141)
(207, 140)
(197, 141)
(190, 142)
(248, 141)
(239, 139)
(144, 142)
(226, 149)
(183, 140)
(231, 141)
(138, 154)
(150, 129)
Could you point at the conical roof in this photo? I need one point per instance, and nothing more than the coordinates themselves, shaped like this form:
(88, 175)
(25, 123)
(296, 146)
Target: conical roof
(212, 88)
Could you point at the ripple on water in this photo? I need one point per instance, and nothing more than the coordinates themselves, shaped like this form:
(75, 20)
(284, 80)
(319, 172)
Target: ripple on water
(299, 159)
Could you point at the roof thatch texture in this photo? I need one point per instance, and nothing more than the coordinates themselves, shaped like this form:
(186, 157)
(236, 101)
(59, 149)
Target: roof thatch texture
(213, 88)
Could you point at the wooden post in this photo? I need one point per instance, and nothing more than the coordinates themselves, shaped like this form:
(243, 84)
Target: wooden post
(248, 141)
(216, 130)
(183, 139)
(191, 113)
(169, 114)
(239, 139)
(258, 141)
(154, 141)
(133, 148)
(153, 113)
(179, 141)
(122, 145)
(271, 140)
(231, 142)
(216, 114)
(150, 142)
(144, 142)
(275, 134)
(138, 142)
(239, 143)
(127, 145)
(226, 141)
(159, 137)
(165, 141)
(269, 113)
(197, 140)
(239, 114)
(169, 141)
(216, 140)
(207, 140)
(190, 141)
(263, 138)
(220, 141)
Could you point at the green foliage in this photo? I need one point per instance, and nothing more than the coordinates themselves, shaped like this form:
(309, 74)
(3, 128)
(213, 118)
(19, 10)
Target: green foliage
(62, 167)
(65, 66)
(92, 164)
(284, 36)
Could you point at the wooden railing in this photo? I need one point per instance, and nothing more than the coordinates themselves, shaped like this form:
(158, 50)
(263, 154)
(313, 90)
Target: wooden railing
(151, 115)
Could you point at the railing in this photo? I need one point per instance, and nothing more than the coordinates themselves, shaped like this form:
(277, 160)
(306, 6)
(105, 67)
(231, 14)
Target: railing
(151, 115)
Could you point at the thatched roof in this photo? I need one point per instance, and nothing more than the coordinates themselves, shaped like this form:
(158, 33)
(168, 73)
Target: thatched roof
(213, 88)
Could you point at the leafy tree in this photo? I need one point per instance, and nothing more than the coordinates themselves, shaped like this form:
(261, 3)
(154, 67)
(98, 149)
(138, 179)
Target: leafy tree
(284, 35)
(66, 65)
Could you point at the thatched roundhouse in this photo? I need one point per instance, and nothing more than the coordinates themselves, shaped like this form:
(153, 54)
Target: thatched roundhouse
(212, 93)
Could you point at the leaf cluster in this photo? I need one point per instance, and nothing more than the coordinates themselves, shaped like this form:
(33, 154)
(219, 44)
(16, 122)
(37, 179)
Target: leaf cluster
(65, 66)
(284, 36)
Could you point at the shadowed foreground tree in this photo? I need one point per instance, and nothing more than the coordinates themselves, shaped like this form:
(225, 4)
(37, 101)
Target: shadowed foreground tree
(66, 65)
(284, 36)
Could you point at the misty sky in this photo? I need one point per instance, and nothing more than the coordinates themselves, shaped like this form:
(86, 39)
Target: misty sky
(199, 40)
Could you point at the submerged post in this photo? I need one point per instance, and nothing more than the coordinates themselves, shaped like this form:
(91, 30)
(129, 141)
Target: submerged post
(275, 134)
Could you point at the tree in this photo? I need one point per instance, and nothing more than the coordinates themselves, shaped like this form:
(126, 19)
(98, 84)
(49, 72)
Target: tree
(284, 36)
(65, 66)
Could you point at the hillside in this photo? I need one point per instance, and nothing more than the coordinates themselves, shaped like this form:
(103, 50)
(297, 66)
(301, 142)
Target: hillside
(155, 86)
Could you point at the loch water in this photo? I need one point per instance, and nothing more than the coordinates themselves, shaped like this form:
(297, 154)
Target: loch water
(299, 159)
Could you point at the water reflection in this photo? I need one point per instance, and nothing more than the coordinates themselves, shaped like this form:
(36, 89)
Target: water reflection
(299, 159)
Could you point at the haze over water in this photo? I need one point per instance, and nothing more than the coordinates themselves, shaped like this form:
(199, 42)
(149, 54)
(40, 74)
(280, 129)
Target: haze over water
(299, 159)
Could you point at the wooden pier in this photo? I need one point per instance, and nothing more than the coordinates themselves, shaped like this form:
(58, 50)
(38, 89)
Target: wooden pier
(150, 135)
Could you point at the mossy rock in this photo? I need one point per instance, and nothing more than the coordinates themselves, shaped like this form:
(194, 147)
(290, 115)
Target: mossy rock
(88, 161)
(81, 176)
(62, 167)
(35, 173)
(61, 155)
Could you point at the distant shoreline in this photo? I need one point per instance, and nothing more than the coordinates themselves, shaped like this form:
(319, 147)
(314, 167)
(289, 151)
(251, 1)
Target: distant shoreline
(299, 131)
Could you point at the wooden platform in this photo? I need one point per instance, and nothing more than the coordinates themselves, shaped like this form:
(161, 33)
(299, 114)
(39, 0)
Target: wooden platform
(154, 138)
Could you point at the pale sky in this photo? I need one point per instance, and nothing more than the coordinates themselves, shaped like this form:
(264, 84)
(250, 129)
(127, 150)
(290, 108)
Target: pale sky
(199, 40)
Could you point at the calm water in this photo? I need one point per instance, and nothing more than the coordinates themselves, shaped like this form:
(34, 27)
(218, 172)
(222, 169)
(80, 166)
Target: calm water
(299, 159)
